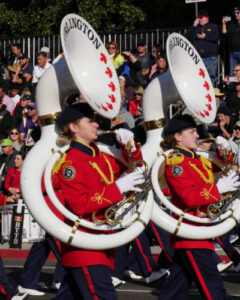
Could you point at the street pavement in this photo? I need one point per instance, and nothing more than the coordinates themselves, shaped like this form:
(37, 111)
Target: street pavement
(132, 290)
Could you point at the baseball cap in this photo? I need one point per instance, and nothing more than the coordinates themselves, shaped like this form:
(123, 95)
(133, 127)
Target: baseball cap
(6, 142)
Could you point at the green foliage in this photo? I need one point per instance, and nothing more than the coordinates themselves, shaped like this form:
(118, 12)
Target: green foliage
(42, 17)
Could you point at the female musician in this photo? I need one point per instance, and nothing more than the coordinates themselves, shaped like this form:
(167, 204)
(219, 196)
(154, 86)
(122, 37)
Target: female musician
(191, 184)
(88, 180)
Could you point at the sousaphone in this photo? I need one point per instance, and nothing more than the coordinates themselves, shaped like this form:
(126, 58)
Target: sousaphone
(86, 68)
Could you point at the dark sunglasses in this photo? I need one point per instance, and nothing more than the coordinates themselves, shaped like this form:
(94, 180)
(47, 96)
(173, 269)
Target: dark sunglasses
(137, 94)
(23, 99)
(31, 108)
(237, 128)
(15, 133)
(236, 12)
(111, 48)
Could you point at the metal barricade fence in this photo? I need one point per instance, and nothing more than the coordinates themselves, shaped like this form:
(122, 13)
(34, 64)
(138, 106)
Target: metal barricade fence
(126, 40)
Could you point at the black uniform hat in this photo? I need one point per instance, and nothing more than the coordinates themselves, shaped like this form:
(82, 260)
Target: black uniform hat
(178, 124)
(72, 113)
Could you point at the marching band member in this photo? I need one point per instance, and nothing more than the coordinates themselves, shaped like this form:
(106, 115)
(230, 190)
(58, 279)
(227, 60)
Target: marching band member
(89, 182)
(191, 184)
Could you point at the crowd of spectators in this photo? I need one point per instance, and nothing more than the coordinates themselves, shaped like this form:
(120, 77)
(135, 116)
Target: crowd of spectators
(136, 69)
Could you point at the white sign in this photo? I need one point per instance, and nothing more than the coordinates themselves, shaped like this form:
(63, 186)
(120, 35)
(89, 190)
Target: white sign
(194, 1)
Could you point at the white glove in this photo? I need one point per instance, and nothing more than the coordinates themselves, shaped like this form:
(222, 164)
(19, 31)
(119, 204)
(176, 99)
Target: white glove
(127, 183)
(124, 136)
(222, 143)
(228, 183)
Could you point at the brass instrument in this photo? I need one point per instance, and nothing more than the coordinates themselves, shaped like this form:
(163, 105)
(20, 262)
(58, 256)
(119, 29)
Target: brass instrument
(115, 213)
(216, 209)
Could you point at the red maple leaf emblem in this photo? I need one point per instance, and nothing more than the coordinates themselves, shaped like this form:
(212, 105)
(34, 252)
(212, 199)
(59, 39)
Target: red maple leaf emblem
(112, 98)
(206, 85)
(112, 86)
(201, 73)
(98, 106)
(209, 97)
(103, 107)
(209, 106)
(206, 112)
(103, 57)
(202, 114)
(109, 105)
(109, 72)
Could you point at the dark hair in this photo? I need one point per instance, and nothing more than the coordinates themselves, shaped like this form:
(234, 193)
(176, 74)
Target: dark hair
(17, 45)
(168, 142)
(22, 154)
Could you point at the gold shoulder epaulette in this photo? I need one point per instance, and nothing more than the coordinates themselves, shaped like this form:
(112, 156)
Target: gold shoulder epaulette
(174, 158)
(59, 163)
(206, 162)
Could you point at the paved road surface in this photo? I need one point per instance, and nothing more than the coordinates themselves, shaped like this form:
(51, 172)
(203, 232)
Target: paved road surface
(132, 290)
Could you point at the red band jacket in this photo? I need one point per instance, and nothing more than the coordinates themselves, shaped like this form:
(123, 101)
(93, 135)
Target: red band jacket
(191, 184)
(87, 179)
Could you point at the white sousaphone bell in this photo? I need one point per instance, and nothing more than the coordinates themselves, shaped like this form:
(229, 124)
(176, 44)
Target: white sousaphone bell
(86, 67)
(187, 80)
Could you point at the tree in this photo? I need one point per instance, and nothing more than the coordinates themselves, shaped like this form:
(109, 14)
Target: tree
(38, 17)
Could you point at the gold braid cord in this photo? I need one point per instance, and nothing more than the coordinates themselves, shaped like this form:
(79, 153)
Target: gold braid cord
(100, 172)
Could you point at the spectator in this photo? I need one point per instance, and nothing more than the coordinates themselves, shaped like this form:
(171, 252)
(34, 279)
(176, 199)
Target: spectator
(159, 67)
(157, 50)
(205, 37)
(235, 138)
(146, 60)
(231, 30)
(24, 72)
(41, 67)
(5, 120)
(7, 159)
(12, 181)
(16, 53)
(113, 51)
(124, 116)
(131, 67)
(6, 100)
(20, 113)
(233, 101)
(47, 51)
(135, 105)
(225, 124)
(14, 93)
(125, 81)
(15, 137)
(31, 122)
(219, 96)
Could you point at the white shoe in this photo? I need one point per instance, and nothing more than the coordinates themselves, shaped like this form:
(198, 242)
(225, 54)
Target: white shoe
(30, 292)
(237, 267)
(56, 285)
(233, 238)
(132, 275)
(156, 275)
(224, 265)
(19, 296)
(116, 281)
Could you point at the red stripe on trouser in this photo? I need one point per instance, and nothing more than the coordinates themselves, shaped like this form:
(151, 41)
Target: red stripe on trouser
(4, 292)
(199, 275)
(144, 256)
(90, 283)
(160, 241)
